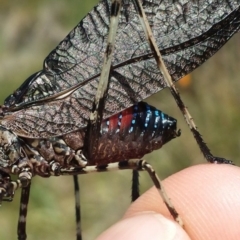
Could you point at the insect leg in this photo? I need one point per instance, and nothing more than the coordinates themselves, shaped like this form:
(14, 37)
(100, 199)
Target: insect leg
(7, 190)
(168, 80)
(21, 229)
(8, 187)
(135, 185)
(142, 165)
(134, 164)
(96, 115)
(77, 208)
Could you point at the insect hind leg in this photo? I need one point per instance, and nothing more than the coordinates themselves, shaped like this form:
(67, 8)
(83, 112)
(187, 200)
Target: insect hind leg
(142, 165)
(136, 165)
(96, 115)
(169, 83)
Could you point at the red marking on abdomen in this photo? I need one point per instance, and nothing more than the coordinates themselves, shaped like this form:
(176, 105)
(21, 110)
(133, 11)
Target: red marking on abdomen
(125, 121)
(113, 122)
(126, 118)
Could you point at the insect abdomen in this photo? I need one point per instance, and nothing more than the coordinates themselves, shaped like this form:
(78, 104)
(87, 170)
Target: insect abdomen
(129, 134)
(133, 133)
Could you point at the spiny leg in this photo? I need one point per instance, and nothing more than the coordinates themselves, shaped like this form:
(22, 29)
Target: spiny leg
(21, 229)
(7, 190)
(96, 115)
(135, 185)
(77, 208)
(134, 164)
(141, 165)
(168, 80)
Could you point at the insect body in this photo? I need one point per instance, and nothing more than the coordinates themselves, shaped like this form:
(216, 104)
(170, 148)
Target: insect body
(130, 134)
(45, 123)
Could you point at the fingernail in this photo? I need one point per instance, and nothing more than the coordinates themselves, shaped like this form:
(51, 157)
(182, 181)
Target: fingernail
(147, 225)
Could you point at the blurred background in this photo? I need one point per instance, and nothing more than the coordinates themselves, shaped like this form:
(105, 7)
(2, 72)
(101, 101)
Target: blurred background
(29, 30)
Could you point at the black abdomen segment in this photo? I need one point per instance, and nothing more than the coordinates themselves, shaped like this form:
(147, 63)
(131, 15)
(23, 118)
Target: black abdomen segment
(133, 133)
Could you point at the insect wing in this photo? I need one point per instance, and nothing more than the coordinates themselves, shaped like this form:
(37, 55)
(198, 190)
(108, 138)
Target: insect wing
(188, 35)
(50, 119)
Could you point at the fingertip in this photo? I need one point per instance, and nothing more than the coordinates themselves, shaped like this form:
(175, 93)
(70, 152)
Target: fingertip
(207, 197)
(146, 225)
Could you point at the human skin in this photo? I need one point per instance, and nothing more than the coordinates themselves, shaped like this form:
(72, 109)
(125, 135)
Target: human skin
(207, 197)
